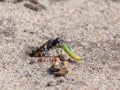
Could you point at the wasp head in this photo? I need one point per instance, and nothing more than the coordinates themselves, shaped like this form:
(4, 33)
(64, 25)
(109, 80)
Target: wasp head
(57, 41)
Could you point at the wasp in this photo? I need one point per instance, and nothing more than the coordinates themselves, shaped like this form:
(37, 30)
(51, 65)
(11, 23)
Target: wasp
(52, 43)
(41, 51)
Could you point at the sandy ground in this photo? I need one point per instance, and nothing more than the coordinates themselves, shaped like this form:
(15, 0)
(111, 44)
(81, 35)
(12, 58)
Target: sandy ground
(90, 27)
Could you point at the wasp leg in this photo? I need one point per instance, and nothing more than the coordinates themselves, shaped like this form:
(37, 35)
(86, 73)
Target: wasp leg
(57, 51)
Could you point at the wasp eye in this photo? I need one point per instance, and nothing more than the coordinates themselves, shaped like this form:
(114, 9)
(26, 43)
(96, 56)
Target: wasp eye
(59, 40)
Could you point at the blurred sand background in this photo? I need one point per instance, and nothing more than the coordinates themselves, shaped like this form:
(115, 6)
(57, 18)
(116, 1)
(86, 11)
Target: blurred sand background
(90, 27)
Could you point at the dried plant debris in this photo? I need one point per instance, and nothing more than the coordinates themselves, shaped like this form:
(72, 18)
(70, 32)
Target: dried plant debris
(61, 72)
(43, 59)
(32, 4)
(59, 69)
(34, 1)
(2, 0)
(12, 1)
(35, 5)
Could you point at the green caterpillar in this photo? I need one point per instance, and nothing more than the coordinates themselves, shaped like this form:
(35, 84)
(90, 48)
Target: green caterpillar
(69, 52)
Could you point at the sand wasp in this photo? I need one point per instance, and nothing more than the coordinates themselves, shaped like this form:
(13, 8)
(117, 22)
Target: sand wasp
(54, 43)
(41, 51)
